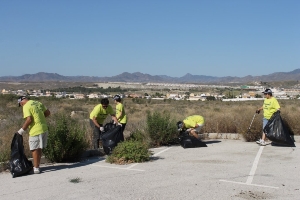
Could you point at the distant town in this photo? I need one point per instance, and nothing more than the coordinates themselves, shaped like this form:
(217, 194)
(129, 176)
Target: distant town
(169, 91)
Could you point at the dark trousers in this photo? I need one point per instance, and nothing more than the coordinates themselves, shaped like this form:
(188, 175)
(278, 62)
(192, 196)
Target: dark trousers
(96, 135)
(123, 128)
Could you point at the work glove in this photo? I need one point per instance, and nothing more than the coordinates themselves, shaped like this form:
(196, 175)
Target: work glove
(21, 131)
(119, 124)
(188, 130)
(257, 111)
(101, 128)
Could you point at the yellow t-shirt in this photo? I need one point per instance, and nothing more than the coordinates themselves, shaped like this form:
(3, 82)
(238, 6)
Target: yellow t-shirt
(270, 106)
(36, 110)
(120, 108)
(100, 113)
(191, 121)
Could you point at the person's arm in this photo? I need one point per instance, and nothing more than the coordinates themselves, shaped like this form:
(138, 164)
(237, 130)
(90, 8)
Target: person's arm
(194, 133)
(259, 109)
(113, 116)
(120, 115)
(193, 126)
(96, 122)
(119, 108)
(25, 125)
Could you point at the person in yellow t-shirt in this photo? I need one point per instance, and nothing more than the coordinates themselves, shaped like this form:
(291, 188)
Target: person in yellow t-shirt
(269, 107)
(35, 114)
(97, 117)
(120, 113)
(192, 124)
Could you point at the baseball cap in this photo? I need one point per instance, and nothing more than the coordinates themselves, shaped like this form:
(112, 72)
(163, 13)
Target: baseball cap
(267, 91)
(21, 98)
(117, 97)
(179, 125)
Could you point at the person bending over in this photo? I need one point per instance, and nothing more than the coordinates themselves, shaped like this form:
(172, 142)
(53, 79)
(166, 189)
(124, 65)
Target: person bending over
(192, 125)
(97, 117)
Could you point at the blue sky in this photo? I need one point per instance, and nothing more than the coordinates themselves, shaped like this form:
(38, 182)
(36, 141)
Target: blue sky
(156, 37)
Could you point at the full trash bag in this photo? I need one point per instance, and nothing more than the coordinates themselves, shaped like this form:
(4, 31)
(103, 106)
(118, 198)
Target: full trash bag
(109, 126)
(111, 138)
(277, 131)
(19, 164)
(187, 141)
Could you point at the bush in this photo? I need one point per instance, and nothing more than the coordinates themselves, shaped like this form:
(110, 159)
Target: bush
(6, 98)
(66, 140)
(161, 128)
(140, 136)
(129, 151)
(4, 157)
(251, 136)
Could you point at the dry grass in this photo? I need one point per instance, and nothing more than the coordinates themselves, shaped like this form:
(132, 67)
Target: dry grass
(220, 117)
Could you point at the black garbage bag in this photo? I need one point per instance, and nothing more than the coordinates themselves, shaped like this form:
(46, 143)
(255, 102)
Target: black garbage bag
(187, 141)
(277, 131)
(19, 164)
(109, 126)
(111, 138)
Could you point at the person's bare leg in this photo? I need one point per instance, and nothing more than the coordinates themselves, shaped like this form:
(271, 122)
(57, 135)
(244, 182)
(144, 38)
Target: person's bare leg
(194, 133)
(263, 136)
(36, 155)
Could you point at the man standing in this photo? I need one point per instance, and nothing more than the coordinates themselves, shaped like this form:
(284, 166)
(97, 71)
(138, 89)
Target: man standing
(120, 113)
(193, 124)
(270, 106)
(97, 117)
(35, 114)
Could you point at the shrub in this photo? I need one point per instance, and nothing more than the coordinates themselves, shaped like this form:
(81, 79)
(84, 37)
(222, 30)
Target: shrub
(129, 151)
(4, 157)
(251, 135)
(138, 135)
(161, 128)
(139, 101)
(6, 98)
(66, 140)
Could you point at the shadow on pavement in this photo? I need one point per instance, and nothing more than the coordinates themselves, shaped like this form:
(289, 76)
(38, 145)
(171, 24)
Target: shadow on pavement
(212, 142)
(281, 145)
(59, 166)
(156, 158)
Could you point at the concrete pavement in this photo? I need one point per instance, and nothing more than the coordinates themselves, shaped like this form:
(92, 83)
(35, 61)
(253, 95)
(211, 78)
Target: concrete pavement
(225, 169)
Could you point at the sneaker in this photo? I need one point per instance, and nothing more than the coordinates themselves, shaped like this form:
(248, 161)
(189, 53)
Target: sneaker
(259, 141)
(36, 170)
(262, 143)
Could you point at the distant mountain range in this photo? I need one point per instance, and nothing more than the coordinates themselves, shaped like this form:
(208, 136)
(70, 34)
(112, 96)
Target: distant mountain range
(144, 78)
